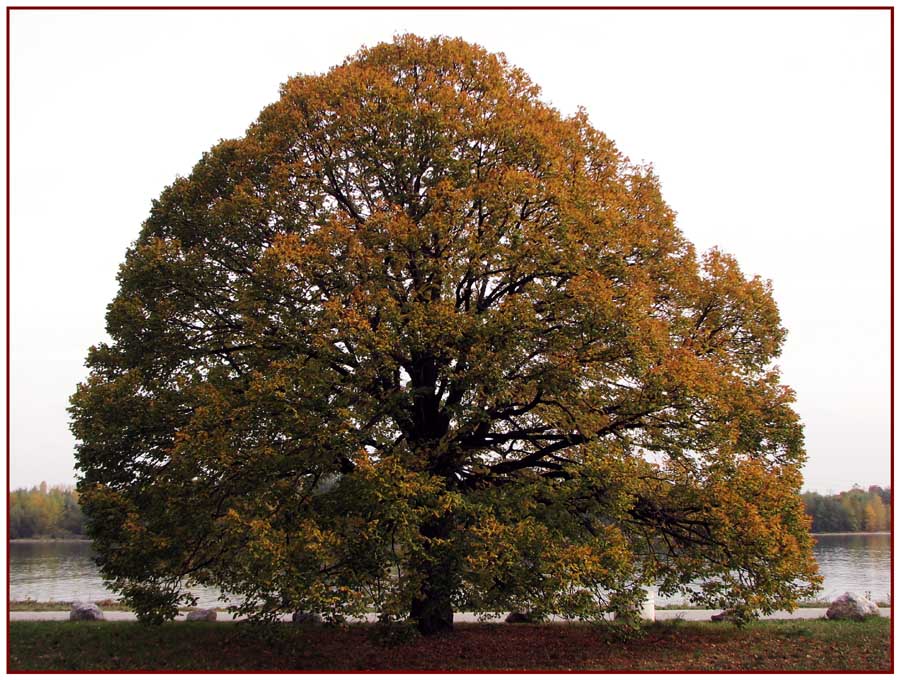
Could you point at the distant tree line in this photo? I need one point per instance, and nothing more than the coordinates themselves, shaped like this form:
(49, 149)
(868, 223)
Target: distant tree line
(45, 512)
(853, 510)
(53, 512)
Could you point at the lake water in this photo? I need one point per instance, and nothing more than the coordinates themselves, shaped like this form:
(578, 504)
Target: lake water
(64, 570)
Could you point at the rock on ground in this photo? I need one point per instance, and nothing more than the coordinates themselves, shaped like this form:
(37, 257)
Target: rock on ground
(306, 618)
(85, 611)
(201, 615)
(852, 606)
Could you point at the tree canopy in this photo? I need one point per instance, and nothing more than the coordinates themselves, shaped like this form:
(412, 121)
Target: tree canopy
(419, 342)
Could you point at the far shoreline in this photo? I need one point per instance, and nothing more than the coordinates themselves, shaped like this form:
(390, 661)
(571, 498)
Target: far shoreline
(82, 539)
(72, 539)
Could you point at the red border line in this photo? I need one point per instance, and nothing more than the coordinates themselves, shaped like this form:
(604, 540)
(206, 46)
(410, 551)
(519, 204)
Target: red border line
(892, 336)
(8, 231)
(450, 7)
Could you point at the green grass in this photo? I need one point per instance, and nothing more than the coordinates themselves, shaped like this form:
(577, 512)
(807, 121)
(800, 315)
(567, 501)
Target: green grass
(54, 606)
(61, 606)
(768, 645)
(810, 604)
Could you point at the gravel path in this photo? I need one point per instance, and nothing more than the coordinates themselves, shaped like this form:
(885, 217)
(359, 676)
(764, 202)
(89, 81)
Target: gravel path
(461, 617)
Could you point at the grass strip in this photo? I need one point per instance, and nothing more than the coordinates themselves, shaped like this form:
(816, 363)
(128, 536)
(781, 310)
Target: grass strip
(809, 645)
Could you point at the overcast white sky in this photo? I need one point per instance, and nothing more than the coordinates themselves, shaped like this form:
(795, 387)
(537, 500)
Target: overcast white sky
(769, 131)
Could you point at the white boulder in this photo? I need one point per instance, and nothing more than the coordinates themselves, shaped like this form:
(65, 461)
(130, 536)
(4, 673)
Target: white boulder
(201, 615)
(306, 618)
(852, 606)
(85, 611)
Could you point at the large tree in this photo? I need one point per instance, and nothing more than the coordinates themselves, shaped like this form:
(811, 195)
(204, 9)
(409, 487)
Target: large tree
(419, 342)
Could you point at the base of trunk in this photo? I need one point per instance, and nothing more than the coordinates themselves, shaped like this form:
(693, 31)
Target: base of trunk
(432, 617)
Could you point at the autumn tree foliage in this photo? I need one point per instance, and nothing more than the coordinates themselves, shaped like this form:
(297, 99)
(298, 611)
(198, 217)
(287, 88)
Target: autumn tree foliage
(41, 512)
(853, 510)
(418, 342)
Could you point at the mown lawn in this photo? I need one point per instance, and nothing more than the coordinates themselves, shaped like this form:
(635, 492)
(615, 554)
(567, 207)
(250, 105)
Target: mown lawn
(62, 606)
(770, 645)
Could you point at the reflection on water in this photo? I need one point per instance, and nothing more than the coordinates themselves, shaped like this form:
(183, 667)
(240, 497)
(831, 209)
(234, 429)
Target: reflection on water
(856, 562)
(53, 570)
(860, 563)
(64, 570)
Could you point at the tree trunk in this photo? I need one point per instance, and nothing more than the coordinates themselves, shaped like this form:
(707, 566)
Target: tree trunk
(432, 612)
(431, 608)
